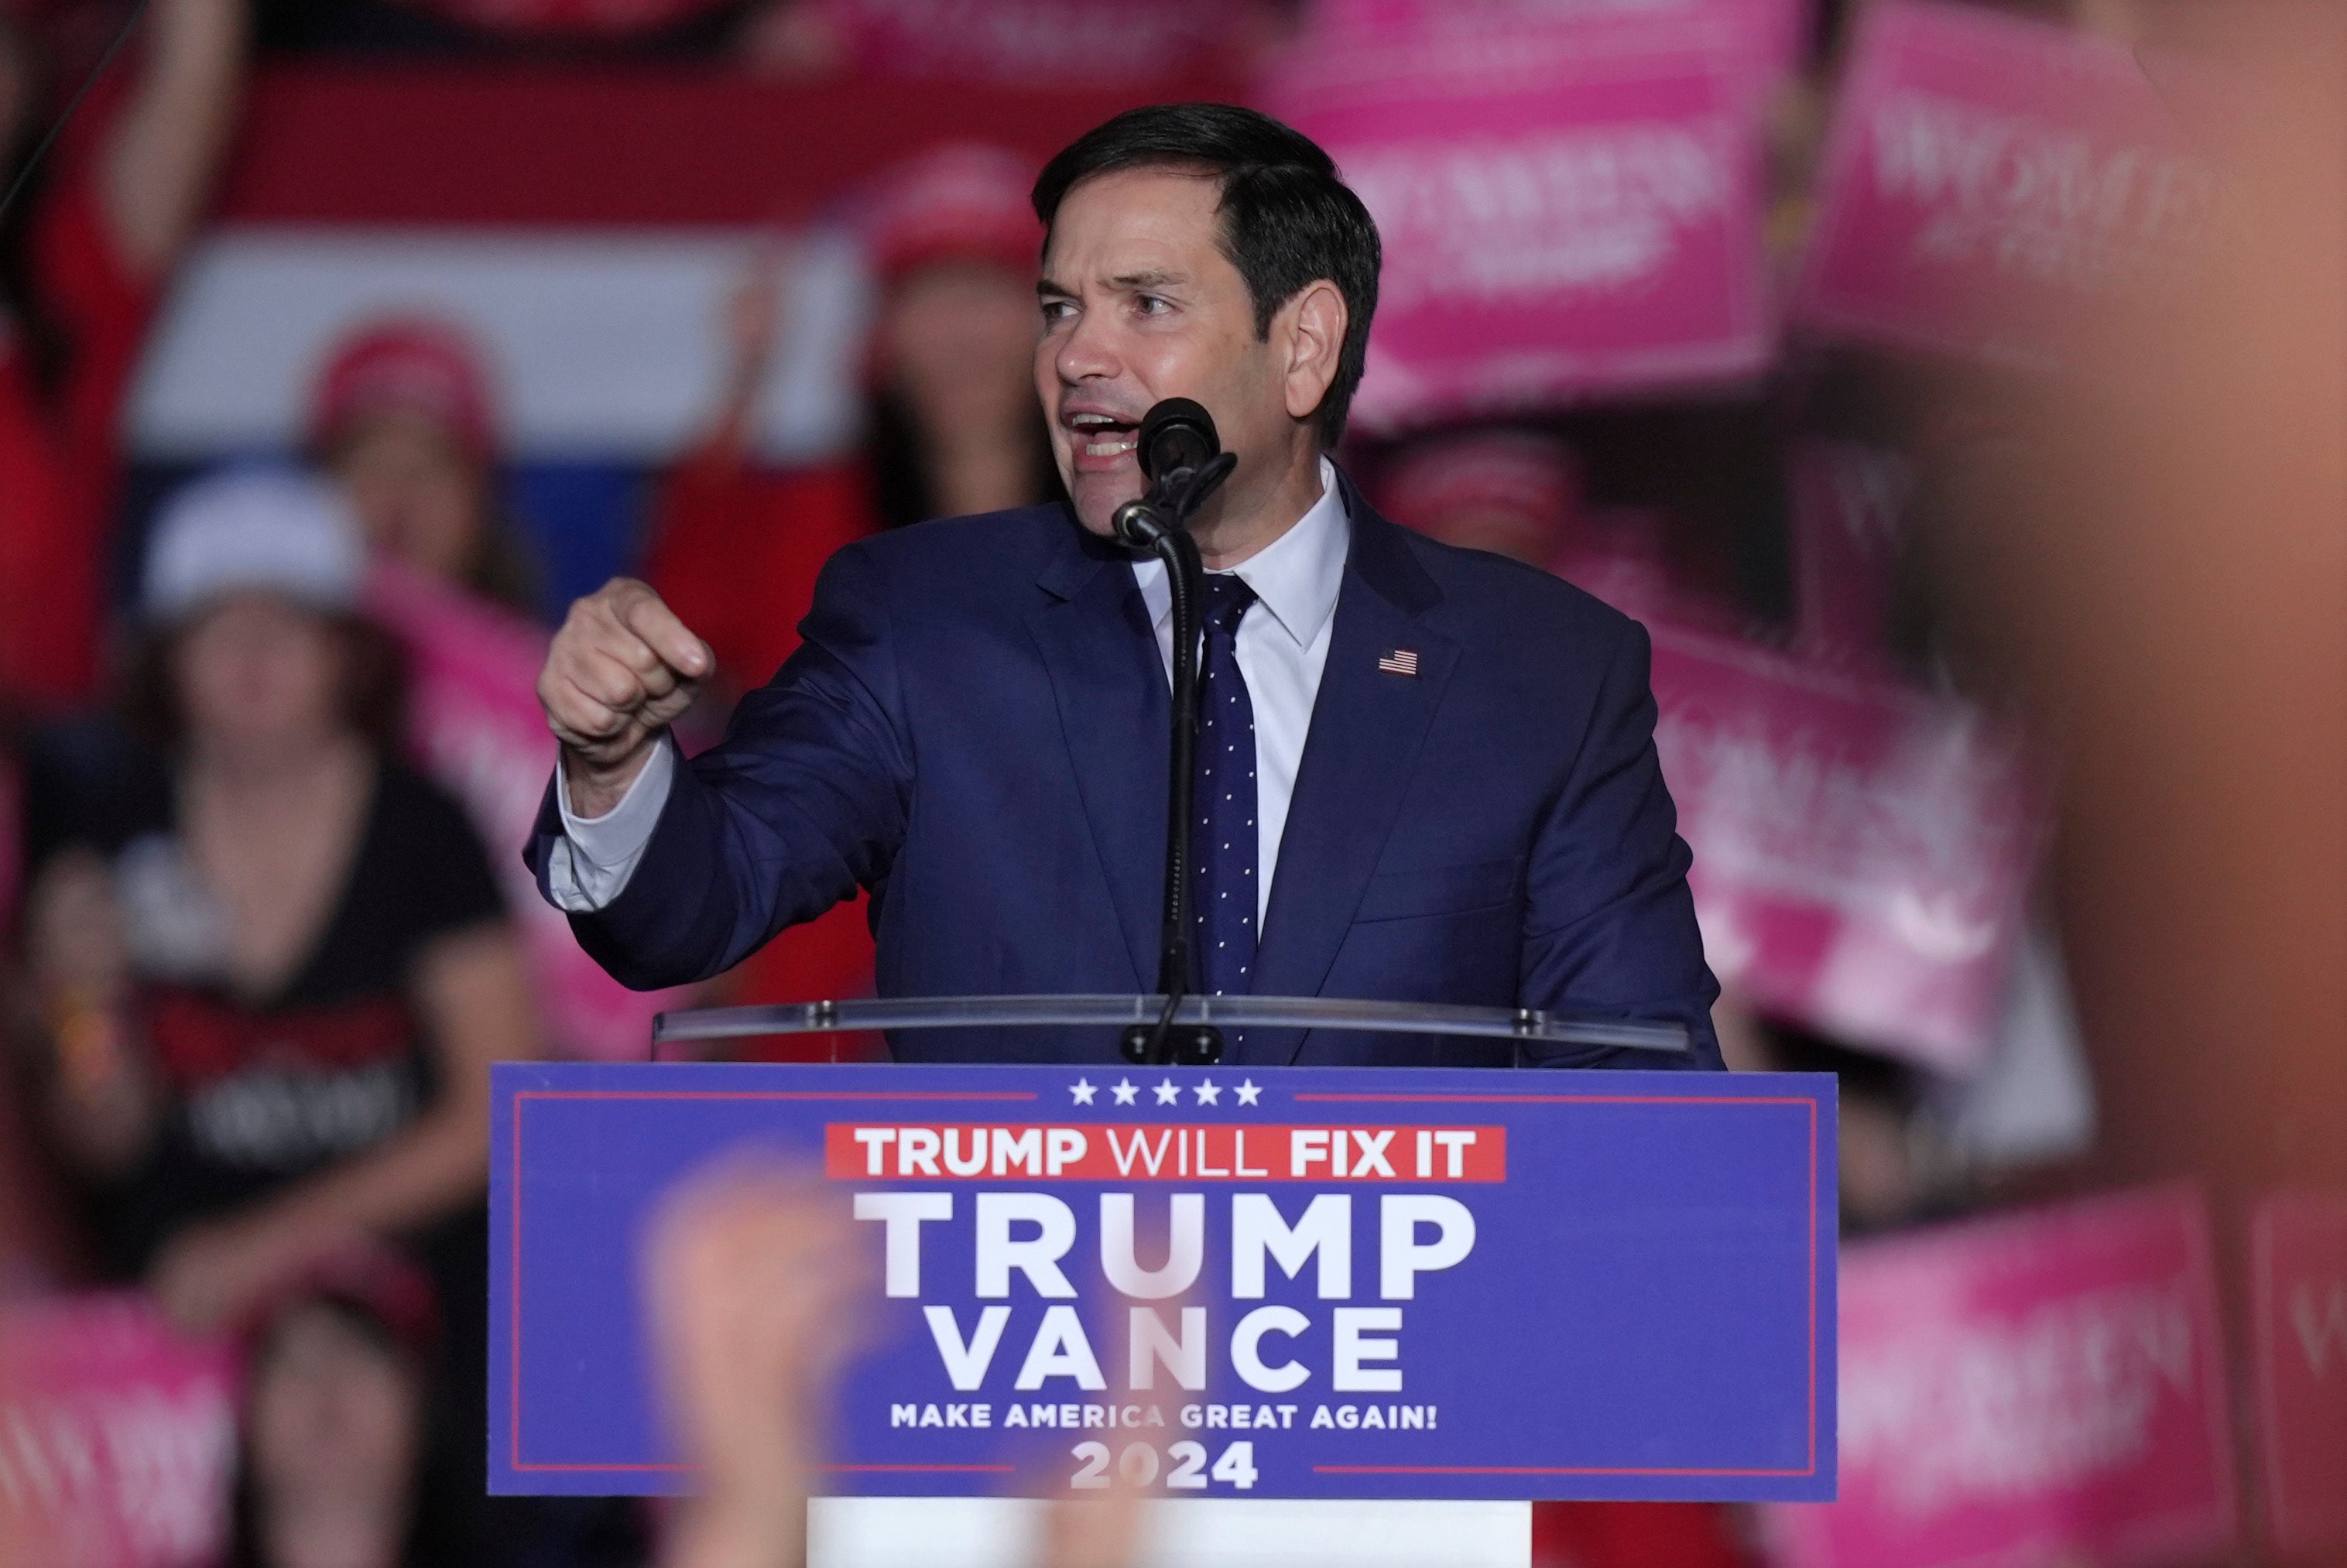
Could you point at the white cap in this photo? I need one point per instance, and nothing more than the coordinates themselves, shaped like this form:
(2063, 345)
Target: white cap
(269, 529)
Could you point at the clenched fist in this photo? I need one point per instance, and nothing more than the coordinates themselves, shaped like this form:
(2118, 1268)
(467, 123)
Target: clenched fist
(619, 669)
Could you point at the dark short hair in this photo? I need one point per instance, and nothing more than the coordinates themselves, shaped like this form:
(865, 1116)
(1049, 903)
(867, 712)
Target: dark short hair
(1287, 220)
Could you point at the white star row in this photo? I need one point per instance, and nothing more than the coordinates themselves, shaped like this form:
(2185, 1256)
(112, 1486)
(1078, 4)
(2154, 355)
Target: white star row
(1124, 1091)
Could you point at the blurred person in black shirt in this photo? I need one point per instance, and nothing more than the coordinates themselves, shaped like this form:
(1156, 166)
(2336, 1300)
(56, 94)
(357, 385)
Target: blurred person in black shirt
(274, 969)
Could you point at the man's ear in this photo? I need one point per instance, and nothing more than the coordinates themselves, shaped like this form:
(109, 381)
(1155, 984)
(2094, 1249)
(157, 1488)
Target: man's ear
(1313, 340)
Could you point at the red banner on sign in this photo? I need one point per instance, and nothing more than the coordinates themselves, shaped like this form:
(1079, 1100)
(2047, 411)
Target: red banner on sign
(2047, 1386)
(1240, 1152)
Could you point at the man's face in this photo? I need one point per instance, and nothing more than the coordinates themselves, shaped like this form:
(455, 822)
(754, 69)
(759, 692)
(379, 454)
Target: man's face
(1139, 303)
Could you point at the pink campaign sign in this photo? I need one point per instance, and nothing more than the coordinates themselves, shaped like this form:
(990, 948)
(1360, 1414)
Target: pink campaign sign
(1570, 205)
(1989, 182)
(1862, 851)
(118, 1438)
(1031, 42)
(1773, 31)
(1849, 525)
(2047, 1387)
(474, 725)
(2297, 1260)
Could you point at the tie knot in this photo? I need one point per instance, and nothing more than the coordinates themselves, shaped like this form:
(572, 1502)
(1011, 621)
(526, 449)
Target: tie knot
(1227, 597)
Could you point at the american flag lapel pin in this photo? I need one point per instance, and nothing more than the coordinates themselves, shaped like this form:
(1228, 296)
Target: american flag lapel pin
(1400, 661)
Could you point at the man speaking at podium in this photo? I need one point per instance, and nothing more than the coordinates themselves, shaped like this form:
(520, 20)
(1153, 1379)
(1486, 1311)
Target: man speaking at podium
(1423, 774)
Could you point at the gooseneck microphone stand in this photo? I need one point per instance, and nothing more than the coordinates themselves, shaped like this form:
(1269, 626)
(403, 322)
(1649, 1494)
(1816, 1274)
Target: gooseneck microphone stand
(1181, 456)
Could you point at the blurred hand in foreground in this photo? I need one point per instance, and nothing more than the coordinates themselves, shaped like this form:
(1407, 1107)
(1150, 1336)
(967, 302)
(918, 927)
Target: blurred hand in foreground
(754, 1275)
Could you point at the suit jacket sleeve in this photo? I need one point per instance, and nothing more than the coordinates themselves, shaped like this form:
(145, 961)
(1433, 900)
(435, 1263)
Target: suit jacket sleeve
(804, 801)
(1610, 929)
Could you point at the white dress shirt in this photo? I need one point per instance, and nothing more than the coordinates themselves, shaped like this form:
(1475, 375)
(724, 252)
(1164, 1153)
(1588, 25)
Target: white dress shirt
(1283, 646)
(1295, 579)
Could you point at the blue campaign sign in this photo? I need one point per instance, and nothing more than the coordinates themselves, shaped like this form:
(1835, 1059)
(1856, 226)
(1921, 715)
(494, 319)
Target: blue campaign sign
(1287, 1282)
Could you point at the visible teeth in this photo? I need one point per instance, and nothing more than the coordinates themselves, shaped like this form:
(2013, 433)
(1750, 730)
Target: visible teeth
(1110, 448)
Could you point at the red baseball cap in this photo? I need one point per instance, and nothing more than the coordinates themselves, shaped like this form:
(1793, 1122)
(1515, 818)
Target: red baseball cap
(369, 1278)
(1524, 475)
(962, 201)
(409, 364)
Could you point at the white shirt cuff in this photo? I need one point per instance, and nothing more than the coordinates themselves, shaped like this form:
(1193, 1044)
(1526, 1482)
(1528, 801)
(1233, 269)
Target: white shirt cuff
(591, 863)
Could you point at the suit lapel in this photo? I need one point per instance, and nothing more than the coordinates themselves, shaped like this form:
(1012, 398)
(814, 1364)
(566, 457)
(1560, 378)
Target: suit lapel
(1367, 726)
(1109, 683)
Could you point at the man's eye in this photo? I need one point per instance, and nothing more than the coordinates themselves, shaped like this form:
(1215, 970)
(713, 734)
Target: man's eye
(1057, 311)
(1153, 305)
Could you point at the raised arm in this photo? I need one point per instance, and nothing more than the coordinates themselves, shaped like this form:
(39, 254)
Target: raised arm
(1609, 927)
(619, 671)
(804, 802)
(158, 167)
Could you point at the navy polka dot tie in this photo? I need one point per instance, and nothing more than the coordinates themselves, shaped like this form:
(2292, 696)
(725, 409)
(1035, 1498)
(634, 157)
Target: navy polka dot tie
(1224, 879)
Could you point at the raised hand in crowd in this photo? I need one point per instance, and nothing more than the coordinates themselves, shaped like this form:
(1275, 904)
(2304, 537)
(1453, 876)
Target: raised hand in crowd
(98, 212)
(619, 671)
(158, 171)
(755, 314)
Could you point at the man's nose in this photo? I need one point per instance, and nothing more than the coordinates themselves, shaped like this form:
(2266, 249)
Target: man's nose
(1087, 351)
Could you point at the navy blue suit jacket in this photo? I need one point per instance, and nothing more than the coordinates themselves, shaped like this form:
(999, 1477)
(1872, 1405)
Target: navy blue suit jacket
(975, 729)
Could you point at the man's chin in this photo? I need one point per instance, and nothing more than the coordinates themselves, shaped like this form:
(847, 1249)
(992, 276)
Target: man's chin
(1095, 505)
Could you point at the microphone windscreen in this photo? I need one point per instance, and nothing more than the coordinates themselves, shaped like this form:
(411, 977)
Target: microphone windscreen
(1176, 433)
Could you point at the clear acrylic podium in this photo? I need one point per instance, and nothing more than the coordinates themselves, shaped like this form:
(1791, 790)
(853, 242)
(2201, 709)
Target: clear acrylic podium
(1522, 1026)
(986, 1532)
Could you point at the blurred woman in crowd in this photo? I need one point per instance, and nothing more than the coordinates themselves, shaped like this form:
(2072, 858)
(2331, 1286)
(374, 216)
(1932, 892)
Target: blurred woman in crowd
(84, 248)
(1521, 493)
(952, 425)
(273, 980)
(953, 428)
(403, 417)
(336, 1440)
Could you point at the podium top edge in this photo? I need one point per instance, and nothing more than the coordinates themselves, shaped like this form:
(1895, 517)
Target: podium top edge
(1079, 1011)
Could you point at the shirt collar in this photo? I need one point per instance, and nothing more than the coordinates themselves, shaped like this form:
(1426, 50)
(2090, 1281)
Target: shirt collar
(1296, 576)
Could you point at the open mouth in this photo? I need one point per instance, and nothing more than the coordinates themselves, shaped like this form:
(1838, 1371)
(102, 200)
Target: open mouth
(1102, 436)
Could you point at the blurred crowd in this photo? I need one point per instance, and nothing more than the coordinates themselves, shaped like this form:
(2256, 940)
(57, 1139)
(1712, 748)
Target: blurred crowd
(2063, 636)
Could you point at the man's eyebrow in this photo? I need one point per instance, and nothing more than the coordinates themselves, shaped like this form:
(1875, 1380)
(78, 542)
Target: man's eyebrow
(1148, 278)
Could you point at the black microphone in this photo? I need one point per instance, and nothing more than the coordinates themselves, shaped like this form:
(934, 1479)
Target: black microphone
(1183, 458)
(1176, 433)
